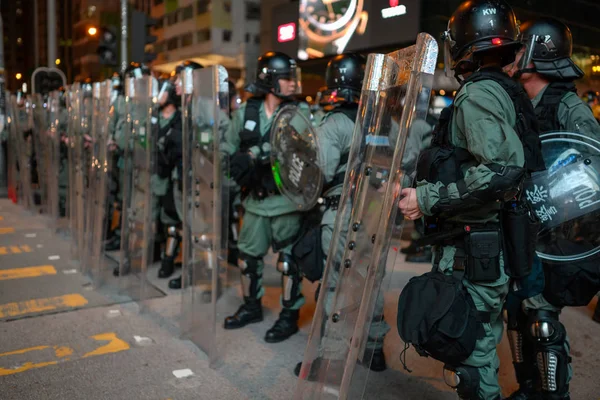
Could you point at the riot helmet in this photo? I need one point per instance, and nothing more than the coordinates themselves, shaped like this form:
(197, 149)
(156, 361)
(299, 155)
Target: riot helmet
(478, 29)
(137, 70)
(187, 67)
(551, 48)
(272, 67)
(234, 97)
(117, 82)
(344, 78)
(168, 93)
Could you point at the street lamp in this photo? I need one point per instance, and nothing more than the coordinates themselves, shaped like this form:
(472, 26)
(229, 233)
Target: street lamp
(57, 62)
(18, 76)
(92, 31)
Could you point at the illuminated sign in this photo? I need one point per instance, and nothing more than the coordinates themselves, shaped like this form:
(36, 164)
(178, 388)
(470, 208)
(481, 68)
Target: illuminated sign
(394, 11)
(286, 32)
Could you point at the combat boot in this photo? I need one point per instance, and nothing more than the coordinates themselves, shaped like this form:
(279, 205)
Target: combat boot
(524, 394)
(167, 267)
(175, 283)
(248, 313)
(377, 361)
(285, 326)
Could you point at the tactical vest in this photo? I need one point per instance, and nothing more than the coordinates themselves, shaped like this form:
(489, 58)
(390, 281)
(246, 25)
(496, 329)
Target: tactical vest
(442, 161)
(350, 111)
(547, 109)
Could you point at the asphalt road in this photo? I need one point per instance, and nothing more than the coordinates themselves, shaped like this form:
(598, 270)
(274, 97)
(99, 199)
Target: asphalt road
(63, 336)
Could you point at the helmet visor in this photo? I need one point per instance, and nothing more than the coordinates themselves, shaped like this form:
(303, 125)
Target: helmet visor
(526, 52)
(448, 65)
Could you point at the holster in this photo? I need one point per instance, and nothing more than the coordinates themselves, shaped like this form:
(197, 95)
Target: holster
(520, 228)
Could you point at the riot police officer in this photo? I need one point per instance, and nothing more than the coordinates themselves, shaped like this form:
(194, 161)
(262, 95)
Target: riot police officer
(169, 147)
(270, 219)
(461, 192)
(117, 101)
(134, 70)
(548, 80)
(175, 160)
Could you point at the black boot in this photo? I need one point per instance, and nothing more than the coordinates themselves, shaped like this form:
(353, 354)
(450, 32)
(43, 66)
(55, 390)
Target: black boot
(167, 267)
(523, 394)
(376, 360)
(248, 313)
(285, 326)
(175, 283)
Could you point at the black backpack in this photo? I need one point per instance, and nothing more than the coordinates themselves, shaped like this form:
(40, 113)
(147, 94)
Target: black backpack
(437, 315)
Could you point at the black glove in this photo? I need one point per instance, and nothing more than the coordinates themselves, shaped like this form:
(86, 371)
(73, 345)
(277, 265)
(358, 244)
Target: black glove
(241, 168)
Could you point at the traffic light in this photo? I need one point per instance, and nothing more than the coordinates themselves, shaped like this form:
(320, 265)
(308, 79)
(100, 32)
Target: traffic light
(46, 80)
(141, 37)
(108, 46)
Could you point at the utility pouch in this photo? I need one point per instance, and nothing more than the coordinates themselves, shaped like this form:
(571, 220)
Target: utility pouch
(482, 251)
(520, 229)
(249, 139)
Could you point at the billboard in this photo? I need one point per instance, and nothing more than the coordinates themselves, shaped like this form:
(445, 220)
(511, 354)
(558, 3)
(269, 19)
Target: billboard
(328, 27)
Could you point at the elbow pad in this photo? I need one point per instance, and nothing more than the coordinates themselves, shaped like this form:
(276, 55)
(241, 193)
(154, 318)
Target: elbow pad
(503, 186)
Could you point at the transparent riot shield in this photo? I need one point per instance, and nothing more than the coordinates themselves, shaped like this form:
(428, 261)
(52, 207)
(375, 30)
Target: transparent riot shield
(39, 120)
(22, 135)
(74, 99)
(56, 169)
(137, 242)
(89, 116)
(12, 152)
(100, 173)
(207, 278)
(361, 282)
(566, 197)
(295, 158)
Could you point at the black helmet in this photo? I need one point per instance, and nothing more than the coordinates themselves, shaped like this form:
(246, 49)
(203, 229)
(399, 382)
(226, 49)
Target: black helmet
(552, 49)
(344, 78)
(168, 89)
(272, 66)
(117, 82)
(137, 70)
(481, 27)
(188, 65)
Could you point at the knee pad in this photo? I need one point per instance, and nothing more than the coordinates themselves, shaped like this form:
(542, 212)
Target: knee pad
(248, 265)
(464, 379)
(173, 240)
(290, 279)
(552, 360)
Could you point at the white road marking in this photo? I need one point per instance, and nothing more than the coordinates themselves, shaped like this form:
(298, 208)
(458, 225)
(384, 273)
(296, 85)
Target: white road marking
(183, 373)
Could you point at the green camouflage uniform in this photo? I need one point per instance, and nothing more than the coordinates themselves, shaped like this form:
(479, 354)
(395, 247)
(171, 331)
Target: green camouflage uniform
(483, 122)
(272, 220)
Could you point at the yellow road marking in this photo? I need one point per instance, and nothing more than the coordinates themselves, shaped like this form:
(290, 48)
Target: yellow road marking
(27, 272)
(39, 305)
(62, 353)
(4, 231)
(14, 250)
(114, 346)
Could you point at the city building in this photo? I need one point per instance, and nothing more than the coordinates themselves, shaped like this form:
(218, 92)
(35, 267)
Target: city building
(88, 14)
(19, 43)
(208, 32)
